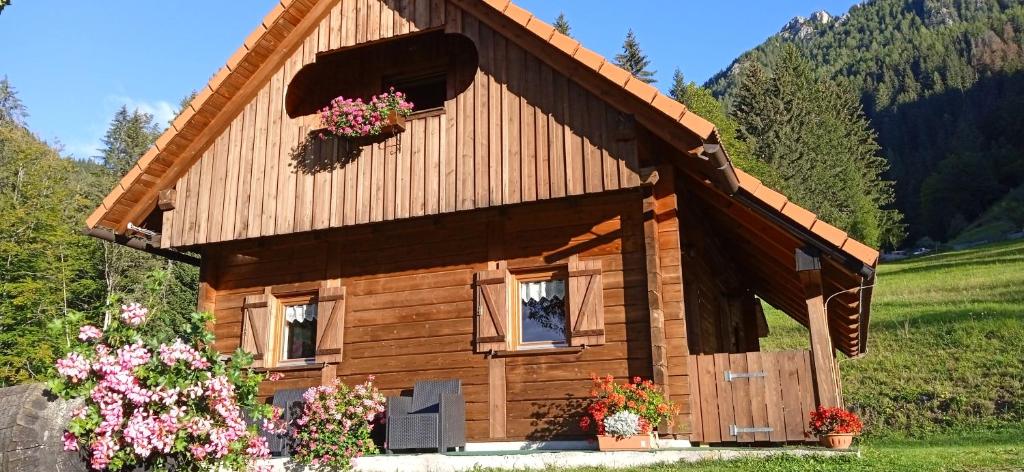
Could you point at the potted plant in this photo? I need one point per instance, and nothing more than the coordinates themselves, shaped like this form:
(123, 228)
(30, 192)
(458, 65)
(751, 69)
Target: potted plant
(336, 425)
(366, 122)
(624, 415)
(835, 427)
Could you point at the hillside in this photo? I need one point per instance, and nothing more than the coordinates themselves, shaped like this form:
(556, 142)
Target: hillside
(945, 346)
(943, 84)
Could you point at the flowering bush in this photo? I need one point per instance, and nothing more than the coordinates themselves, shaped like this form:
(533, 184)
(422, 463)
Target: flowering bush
(622, 424)
(335, 424)
(159, 406)
(354, 118)
(834, 421)
(640, 397)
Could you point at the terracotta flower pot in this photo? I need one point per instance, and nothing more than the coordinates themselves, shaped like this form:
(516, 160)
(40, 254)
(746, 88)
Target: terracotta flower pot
(837, 440)
(639, 442)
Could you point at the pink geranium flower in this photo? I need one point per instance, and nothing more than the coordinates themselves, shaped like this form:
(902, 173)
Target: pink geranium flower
(89, 333)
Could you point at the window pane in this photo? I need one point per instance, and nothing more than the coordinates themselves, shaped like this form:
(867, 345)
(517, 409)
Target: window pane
(543, 311)
(300, 331)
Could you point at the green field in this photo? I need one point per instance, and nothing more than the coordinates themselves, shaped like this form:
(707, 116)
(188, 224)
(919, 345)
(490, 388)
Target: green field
(942, 384)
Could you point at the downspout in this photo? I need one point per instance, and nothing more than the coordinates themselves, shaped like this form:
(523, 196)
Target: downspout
(141, 245)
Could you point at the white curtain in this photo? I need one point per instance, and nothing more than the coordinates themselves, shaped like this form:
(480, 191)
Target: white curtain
(300, 313)
(540, 290)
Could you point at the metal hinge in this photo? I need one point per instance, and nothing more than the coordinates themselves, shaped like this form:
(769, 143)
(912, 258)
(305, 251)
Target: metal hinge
(730, 375)
(736, 430)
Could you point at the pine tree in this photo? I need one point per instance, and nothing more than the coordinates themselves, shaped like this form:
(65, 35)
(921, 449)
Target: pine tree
(634, 60)
(129, 136)
(814, 134)
(11, 108)
(562, 25)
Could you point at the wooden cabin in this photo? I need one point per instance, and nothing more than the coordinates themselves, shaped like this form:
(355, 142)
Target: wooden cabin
(543, 217)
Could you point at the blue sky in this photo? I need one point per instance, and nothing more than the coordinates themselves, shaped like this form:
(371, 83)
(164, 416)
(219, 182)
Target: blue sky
(75, 63)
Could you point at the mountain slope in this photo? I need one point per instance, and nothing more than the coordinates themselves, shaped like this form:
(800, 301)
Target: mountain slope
(942, 82)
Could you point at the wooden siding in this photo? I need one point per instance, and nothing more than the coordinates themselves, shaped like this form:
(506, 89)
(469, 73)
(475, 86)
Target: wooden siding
(410, 301)
(773, 390)
(518, 132)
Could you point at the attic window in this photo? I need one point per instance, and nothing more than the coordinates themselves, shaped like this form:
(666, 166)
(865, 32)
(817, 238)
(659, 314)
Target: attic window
(426, 91)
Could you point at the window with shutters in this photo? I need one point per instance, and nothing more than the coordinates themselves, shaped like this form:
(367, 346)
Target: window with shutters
(539, 318)
(544, 308)
(295, 329)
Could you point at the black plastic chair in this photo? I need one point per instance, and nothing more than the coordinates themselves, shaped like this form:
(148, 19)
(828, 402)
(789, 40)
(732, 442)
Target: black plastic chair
(434, 417)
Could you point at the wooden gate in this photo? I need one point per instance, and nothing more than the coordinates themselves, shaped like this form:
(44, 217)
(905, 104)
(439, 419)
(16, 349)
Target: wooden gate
(752, 397)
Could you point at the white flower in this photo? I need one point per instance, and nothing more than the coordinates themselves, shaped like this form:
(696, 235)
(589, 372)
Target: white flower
(622, 424)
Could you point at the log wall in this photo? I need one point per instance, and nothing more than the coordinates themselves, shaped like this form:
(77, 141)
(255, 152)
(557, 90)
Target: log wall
(410, 302)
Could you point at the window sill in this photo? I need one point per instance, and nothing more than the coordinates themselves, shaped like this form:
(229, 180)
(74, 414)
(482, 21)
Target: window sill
(540, 352)
(291, 367)
(427, 113)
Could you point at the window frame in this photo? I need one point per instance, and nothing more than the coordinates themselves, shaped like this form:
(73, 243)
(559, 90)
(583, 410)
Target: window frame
(423, 76)
(515, 336)
(280, 329)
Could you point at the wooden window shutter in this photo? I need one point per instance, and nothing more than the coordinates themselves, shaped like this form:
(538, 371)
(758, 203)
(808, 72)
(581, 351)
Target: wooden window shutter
(586, 304)
(256, 327)
(492, 303)
(330, 324)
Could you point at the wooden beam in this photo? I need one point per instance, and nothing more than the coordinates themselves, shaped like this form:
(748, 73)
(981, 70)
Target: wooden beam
(496, 392)
(808, 267)
(659, 346)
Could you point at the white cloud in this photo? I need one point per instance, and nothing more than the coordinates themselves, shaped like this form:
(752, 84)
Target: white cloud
(162, 110)
(89, 146)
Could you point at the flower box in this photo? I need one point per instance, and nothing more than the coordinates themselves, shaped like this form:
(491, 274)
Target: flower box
(639, 442)
(837, 440)
(394, 125)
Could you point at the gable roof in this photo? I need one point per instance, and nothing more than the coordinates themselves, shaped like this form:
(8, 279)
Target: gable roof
(134, 197)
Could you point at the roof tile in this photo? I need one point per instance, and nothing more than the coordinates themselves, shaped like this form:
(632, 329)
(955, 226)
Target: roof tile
(565, 43)
(518, 14)
(236, 59)
(273, 15)
(254, 37)
(219, 78)
(95, 216)
(668, 106)
(499, 5)
(770, 197)
(165, 139)
(833, 235)
(747, 181)
(799, 214)
(642, 89)
(182, 119)
(589, 58)
(698, 125)
(540, 28)
(148, 157)
(614, 73)
(861, 251)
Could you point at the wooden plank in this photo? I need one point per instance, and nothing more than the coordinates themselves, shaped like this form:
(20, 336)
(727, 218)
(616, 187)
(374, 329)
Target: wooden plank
(696, 420)
(243, 189)
(528, 127)
(254, 227)
(219, 181)
(757, 393)
(417, 179)
(178, 222)
(432, 167)
(360, 20)
(403, 169)
(511, 105)
(336, 26)
(349, 19)
(286, 176)
(496, 398)
(709, 405)
(484, 110)
(790, 365)
(773, 397)
(377, 180)
(273, 169)
(364, 185)
(610, 147)
(556, 97)
(540, 81)
(390, 176)
(466, 144)
(741, 397)
(497, 84)
(338, 184)
(234, 157)
(574, 176)
(322, 188)
(446, 192)
(593, 167)
(807, 393)
(726, 411)
(421, 20)
(192, 215)
(373, 20)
